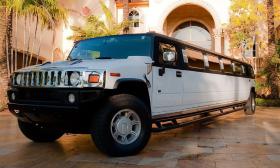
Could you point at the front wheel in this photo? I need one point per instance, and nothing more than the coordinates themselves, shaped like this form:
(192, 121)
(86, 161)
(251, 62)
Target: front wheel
(39, 134)
(122, 127)
(250, 106)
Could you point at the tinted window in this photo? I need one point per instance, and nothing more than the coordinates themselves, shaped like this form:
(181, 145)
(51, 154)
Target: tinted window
(115, 47)
(214, 63)
(251, 72)
(227, 66)
(193, 58)
(238, 68)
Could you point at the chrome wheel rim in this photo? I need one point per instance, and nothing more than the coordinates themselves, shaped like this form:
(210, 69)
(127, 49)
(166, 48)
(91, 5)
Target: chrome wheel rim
(125, 126)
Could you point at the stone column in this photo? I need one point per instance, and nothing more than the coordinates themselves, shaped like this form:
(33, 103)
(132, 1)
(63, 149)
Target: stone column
(218, 40)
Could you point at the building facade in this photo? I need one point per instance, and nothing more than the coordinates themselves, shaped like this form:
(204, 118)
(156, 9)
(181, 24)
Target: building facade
(196, 21)
(200, 22)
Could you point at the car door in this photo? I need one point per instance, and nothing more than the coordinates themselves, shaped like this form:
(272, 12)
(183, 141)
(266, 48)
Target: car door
(167, 79)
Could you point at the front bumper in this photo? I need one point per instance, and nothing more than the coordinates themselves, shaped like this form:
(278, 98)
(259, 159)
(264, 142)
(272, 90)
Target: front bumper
(51, 107)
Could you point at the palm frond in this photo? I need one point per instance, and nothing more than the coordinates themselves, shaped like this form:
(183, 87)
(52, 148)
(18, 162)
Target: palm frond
(108, 14)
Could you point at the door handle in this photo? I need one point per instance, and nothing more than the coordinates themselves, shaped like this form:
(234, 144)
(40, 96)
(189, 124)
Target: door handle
(178, 74)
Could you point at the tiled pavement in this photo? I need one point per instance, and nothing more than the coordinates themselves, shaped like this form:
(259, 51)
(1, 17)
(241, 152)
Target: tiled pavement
(232, 141)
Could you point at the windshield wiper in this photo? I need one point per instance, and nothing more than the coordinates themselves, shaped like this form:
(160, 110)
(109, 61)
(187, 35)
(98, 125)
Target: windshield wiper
(45, 63)
(75, 61)
(104, 58)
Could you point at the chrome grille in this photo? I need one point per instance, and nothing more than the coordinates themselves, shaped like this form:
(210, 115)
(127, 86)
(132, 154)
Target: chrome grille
(55, 78)
(41, 79)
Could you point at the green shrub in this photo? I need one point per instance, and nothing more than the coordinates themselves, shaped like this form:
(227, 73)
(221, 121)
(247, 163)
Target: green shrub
(268, 102)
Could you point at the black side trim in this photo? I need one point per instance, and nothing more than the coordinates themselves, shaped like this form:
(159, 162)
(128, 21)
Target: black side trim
(194, 112)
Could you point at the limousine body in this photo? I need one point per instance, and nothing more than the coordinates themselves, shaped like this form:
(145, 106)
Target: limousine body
(121, 88)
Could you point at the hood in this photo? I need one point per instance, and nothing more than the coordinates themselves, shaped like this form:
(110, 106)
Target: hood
(97, 64)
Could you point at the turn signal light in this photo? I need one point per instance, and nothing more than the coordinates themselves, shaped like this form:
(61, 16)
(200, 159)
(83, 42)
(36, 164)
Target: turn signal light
(115, 74)
(94, 78)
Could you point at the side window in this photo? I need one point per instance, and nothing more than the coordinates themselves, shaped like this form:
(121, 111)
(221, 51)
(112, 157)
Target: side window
(214, 63)
(227, 66)
(251, 72)
(167, 54)
(238, 68)
(193, 58)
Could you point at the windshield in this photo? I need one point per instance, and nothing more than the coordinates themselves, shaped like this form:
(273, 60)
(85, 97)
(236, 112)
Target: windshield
(112, 47)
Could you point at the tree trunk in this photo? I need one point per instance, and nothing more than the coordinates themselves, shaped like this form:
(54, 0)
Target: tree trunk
(32, 50)
(28, 43)
(9, 36)
(4, 43)
(270, 27)
(39, 50)
(10, 41)
(16, 44)
(272, 49)
(125, 14)
(24, 38)
(53, 44)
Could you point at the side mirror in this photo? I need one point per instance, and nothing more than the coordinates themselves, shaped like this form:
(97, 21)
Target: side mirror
(169, 56)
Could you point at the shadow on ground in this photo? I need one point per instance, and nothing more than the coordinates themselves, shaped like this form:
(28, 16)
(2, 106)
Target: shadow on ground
(233, 141)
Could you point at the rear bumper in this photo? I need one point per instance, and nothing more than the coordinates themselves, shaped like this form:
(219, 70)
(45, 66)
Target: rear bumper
(53, 109)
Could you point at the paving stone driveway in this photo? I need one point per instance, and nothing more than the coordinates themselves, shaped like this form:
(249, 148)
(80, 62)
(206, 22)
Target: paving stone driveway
(232, 141)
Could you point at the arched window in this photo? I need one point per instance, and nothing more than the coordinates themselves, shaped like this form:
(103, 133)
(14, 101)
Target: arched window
(195, 33)
(133, 16)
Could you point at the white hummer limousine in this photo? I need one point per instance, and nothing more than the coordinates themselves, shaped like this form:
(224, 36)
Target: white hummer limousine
(121, 88)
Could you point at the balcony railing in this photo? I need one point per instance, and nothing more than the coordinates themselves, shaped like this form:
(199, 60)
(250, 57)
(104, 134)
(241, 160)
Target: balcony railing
(133, 3)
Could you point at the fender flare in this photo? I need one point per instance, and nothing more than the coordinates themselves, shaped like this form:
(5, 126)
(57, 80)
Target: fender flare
(119, 81)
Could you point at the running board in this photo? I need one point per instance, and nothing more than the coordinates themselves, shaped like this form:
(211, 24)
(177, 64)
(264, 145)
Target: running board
(172, 122)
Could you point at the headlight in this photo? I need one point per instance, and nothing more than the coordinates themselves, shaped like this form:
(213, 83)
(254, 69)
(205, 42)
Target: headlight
(74, 78)
(18, 79)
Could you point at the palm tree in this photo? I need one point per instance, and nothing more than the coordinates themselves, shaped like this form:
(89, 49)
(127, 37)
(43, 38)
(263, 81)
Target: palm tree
(50, 16)
(46, 13)
(6, 5)
(17, 6)
(5, 41)
(59, 15)
(95, 27)
(37, 9)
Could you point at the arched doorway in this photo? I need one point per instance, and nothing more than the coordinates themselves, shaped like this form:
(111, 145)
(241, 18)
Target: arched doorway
(194, 32)
(193, 24)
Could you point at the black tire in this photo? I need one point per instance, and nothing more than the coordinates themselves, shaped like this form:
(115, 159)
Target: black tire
(101, 126)
(39, 134)
(250, 107)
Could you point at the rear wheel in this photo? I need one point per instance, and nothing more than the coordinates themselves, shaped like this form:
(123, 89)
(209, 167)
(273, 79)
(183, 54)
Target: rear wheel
(251, 104)
(122, 127)
(39, 134)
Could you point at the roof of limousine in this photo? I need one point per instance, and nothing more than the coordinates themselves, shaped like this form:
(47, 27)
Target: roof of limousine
(191, 46)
